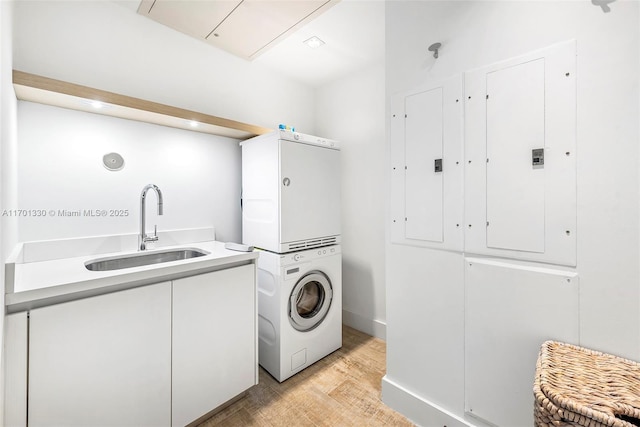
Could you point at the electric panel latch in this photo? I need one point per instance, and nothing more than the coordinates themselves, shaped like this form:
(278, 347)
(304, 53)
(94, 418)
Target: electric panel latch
(438, 165)
(537, 158)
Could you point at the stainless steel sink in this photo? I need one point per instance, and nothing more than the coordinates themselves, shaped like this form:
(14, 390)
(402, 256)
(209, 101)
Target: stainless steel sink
(143, 258)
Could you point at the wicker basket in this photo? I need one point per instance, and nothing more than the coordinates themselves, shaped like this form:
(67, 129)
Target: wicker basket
(575, 386)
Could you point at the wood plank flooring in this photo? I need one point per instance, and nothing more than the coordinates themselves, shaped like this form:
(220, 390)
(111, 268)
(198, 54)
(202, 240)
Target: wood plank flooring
(343, 389)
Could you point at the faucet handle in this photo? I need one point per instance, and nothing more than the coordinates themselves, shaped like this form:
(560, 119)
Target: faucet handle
(154, 238)
(149, 238)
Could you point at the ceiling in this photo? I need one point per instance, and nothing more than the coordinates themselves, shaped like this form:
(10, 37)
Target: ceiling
(353, 32)
(245, 28)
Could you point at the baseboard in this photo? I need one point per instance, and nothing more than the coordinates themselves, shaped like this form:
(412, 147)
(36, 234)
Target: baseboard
(418, 410)
(375, 328)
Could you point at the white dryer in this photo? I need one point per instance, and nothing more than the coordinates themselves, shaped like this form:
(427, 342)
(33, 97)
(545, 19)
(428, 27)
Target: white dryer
(290, 191)
(299, 307)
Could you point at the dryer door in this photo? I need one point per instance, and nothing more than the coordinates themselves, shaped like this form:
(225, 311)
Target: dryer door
(309, 192)
(310, 301)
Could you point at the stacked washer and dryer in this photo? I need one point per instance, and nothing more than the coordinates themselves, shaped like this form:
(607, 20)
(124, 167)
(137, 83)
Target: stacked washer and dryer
(291, 213)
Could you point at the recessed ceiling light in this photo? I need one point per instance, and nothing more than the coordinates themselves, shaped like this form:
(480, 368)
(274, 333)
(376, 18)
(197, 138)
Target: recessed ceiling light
(314, 42)
(193, 124)
(93, 104)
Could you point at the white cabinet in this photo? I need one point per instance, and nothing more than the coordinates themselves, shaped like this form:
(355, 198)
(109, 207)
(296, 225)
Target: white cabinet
(104, 360)
(157, 355)
(214, 341)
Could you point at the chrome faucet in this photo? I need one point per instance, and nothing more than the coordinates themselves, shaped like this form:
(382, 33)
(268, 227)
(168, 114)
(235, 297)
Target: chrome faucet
(143, 238)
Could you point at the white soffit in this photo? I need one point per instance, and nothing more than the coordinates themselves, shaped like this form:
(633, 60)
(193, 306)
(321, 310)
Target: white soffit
(31, 94)
(246, 28)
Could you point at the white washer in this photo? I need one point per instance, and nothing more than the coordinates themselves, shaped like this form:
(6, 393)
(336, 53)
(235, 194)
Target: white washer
(299, 308)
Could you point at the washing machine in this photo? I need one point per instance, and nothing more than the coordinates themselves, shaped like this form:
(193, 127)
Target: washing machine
(299, 308)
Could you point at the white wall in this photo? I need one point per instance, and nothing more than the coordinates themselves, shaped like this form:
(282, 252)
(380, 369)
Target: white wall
(60, 168)
(105, 45)
(351, 110)
(8, 143)
(8, 130)
(425, 288)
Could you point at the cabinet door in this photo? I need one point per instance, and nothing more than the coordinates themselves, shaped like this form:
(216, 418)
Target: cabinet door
(509, 314)
(16, 334)
(214, 341)
(101, 361)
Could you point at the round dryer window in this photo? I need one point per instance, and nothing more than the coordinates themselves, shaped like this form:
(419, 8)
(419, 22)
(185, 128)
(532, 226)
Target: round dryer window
(310, 301)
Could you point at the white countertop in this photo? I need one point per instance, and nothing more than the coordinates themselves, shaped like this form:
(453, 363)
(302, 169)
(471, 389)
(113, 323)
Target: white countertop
(47, 282)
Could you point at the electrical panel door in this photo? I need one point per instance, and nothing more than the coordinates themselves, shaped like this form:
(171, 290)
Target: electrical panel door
(426, 166)
(423, 171)
(520, 157)
(515, 186)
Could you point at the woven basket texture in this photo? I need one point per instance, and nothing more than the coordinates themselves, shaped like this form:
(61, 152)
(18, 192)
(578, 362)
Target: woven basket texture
(575, 386)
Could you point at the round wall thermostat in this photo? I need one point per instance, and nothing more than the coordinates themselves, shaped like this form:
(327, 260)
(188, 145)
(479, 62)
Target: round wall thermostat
(113, 161)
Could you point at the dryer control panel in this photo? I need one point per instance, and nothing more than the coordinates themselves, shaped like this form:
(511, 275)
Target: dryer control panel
(309, 139)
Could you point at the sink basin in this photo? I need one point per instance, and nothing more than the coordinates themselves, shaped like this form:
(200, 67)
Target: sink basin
(142, 258)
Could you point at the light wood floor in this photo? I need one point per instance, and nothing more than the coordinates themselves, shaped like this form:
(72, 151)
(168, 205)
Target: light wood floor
(343, 389)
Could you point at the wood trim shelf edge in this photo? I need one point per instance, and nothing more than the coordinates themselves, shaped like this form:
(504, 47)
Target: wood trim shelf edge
(32, 87)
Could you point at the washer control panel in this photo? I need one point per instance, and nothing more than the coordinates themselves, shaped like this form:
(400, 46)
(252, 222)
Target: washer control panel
(309, 254)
